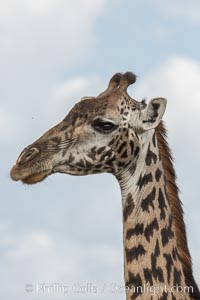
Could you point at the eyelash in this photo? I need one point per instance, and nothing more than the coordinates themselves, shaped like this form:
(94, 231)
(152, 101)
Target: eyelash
(100, 126)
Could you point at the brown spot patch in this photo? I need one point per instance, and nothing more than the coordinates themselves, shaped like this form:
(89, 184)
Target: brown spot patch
(129, 207)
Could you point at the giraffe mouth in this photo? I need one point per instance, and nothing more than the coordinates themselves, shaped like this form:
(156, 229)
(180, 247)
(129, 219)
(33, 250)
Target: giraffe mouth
(35, 178)
(28, 178)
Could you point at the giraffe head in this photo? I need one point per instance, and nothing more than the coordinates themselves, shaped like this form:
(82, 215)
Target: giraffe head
(100, 134)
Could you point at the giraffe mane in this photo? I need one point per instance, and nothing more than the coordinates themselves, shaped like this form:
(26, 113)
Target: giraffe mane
(176, 207)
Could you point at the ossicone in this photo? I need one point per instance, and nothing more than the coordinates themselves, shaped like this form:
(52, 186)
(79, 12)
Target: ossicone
(119, 82)
(127, 79)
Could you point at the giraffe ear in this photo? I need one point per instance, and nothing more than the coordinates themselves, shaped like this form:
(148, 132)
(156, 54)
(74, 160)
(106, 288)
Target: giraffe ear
(153, 113)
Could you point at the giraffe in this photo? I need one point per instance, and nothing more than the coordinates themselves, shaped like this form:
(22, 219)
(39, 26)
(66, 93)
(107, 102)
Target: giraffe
(116, 134)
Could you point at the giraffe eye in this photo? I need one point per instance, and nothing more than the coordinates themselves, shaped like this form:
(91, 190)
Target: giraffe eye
(103, 126)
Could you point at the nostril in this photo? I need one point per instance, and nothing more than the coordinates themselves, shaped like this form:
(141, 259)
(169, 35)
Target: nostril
(28, 154)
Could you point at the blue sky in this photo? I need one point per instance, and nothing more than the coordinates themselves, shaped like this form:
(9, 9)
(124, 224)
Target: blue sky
(52, 52)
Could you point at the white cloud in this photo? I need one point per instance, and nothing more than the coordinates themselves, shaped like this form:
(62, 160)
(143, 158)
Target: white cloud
(40, 40)
(29, 246)
(177, 80)
(69, 88)
(64, 95)
(47, 34)
(186, 10)
(39, 258)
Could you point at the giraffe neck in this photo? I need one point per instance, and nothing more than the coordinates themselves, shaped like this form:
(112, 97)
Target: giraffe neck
(151, 257)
